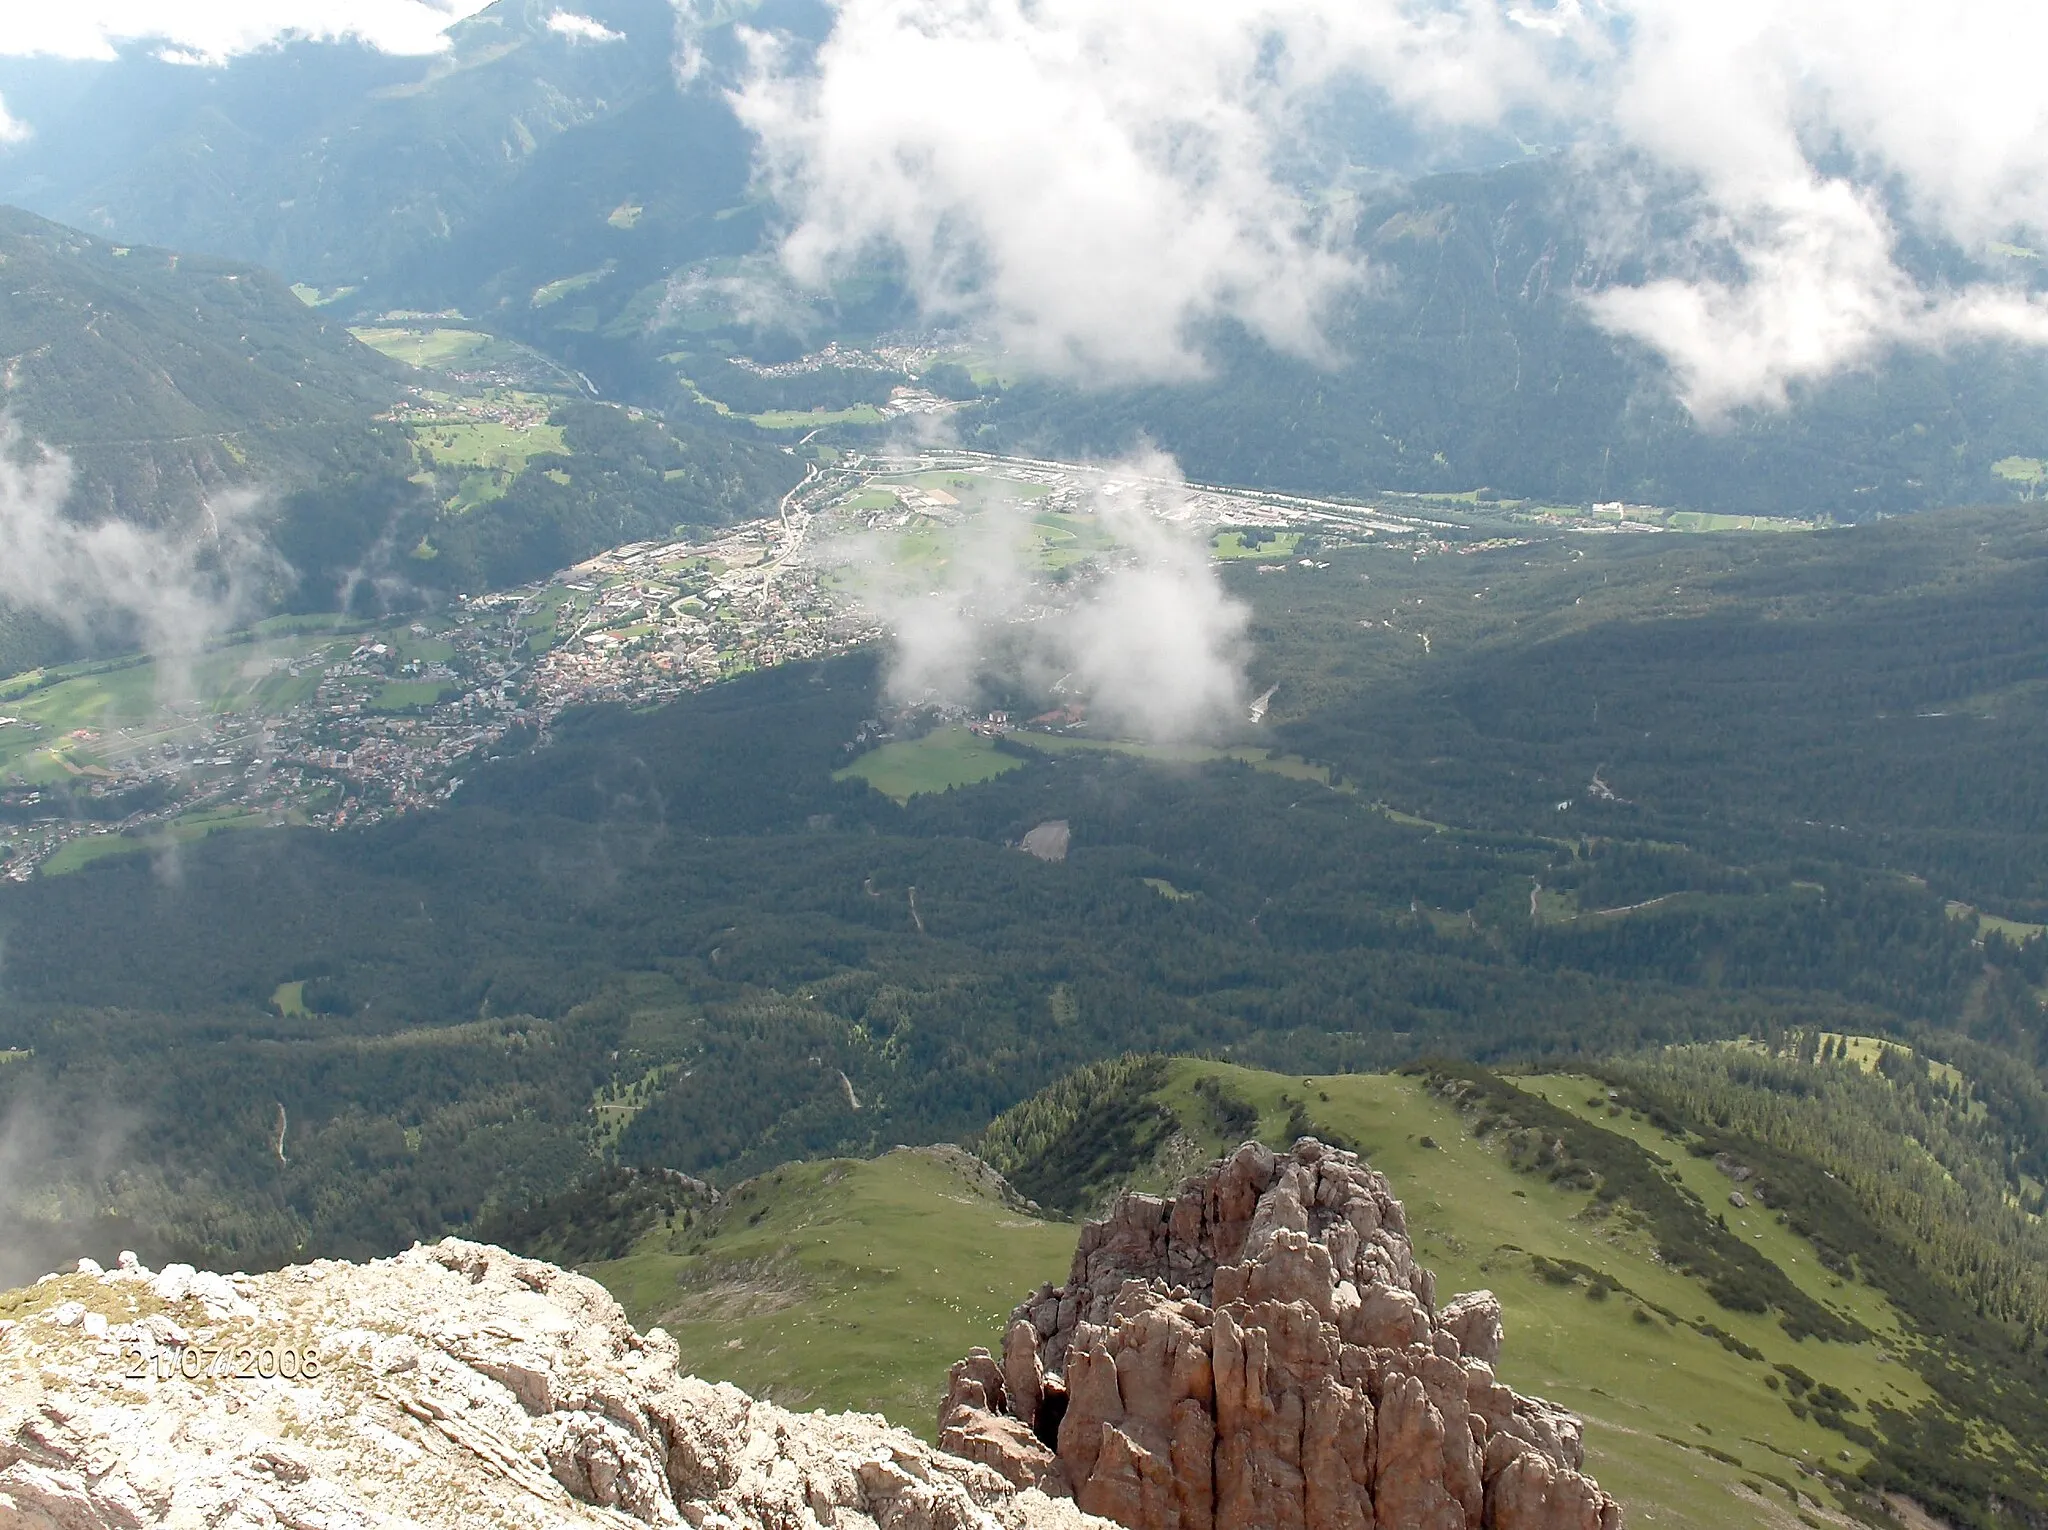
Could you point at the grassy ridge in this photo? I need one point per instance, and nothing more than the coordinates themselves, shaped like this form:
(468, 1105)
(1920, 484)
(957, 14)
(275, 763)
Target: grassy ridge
(1733, 1366)
(849, 1283)
(844, 1283)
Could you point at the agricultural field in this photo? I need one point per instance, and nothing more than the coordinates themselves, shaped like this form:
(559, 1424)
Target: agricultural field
(1060, 540)
(411, 695)
(186, 828)
(433, 350)
(72, 720)
(488, 444)
(2015, 930)
(1229, 545)
(1654, 517)
(937, 762)
(956, 756)
(811, 419)
(549, 293)
(1700, 520)
(499, 365)
(1270, 761)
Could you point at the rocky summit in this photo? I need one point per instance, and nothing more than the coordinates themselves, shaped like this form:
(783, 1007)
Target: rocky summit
(454, 1385)
(1261, 1351)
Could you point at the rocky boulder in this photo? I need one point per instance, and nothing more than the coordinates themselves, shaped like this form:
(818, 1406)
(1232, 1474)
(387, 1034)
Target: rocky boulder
(1261, 1351)
(455, 1385)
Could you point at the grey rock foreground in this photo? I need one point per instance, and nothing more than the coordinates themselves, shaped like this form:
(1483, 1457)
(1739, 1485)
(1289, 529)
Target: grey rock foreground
(1261, 1351)
(455, 1385)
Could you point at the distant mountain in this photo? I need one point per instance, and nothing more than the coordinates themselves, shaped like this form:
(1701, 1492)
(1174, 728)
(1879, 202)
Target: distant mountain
(166, 376)
(571, 193)
(1470, 361)
(328, 161)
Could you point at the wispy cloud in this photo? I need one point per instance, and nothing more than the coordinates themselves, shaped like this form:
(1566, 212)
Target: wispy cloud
(12, 128)
(1098, 180)
(170, 593)
(216, 30)
(1149, 638)
(582, 28)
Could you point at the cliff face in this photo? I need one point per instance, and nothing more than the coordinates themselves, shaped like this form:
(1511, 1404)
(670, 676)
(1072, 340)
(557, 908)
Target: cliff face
(455, 1385)
(1259, 1352)
(1262, 1352)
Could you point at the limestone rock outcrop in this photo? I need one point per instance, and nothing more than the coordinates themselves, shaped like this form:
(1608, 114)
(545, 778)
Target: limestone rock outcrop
(1261, 1351)
(455, 1385)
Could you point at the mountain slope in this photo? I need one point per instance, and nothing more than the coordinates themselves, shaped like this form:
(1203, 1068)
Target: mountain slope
(327, 161)
(1470, 360)
(1699, 1414)
(841, 1283)
(166, 377)
(1697, 1290)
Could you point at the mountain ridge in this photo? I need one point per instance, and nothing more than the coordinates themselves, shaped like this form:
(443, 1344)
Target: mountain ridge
(168, 377)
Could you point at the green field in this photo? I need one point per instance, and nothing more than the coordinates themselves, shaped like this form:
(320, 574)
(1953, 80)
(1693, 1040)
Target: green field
(843, 1284)
(41, 748)
(553, 292)
(810, 419)
(974, 491)
(2014, 930)
(1050, 540)
(487, 444)
(937, 762)
(79, 853)
(1067, 539)
(126, 704)
(1700, 520)
(411, 695)
(1231, 545)
(428, 349)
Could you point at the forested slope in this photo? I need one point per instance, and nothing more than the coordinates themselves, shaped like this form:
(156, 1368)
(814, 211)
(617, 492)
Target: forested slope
(166, 377)
(1470, 359)
(687, 904)
(1744, 1334)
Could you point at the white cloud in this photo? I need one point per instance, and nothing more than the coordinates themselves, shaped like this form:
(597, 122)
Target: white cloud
(1152, 642)
(13, 129)
(1095, 179)
(582, 28)
(1157, 646)
(170, 594)
(214, 30)
(1818, 137)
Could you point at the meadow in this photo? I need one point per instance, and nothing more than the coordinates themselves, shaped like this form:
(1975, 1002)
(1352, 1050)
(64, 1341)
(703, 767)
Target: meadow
(854, 1283)
(428, 349)
(79, 853)
(844, 1283)
(487, 444)
(1230, 545)
(937, 762)
(811, 419)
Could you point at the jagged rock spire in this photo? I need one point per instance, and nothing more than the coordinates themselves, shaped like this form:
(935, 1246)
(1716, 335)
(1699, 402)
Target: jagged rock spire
(1261, 1351)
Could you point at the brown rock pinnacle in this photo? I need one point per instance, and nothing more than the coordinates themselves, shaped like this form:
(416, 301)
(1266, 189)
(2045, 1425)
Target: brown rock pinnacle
(1262, 1352)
